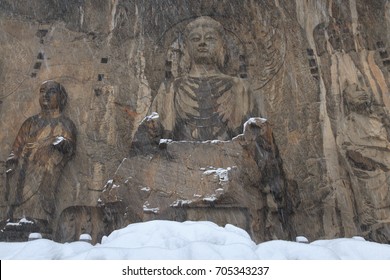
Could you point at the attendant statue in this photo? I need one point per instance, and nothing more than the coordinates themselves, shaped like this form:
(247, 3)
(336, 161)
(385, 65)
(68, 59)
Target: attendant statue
(43, 146)
(204, 103)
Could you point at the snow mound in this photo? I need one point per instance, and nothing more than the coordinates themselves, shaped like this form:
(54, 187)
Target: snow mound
(167, 240)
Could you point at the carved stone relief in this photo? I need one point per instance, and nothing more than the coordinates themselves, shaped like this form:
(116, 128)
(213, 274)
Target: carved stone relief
(318, 71)
(42, 148)
(365, 145)
(203, 104)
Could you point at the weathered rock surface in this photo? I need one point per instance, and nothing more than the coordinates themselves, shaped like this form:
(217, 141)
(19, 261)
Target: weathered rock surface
(305, 62)
(238, 182)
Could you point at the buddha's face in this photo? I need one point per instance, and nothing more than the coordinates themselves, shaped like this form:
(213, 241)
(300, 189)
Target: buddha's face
(49, 96)
(204, 44)
(357, 96)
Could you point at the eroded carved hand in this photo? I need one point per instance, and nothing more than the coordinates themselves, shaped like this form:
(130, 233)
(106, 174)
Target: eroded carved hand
(62, 145)
(255, 127)
(152, 125)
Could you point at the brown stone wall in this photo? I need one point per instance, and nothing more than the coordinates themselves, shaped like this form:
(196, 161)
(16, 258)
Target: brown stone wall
(300, 58)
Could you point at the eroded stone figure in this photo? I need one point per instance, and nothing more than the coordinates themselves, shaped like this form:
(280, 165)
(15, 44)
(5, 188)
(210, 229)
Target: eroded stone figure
(43, 146)
(161, 176)
(365, 143)
(204, 103)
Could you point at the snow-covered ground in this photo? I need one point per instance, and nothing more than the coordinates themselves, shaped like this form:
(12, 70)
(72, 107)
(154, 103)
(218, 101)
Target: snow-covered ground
(167, 240)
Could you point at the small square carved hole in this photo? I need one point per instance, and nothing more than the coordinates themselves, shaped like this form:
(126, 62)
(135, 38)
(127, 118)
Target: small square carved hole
(37, 65)
(42, 33)
(383, 54)
(104, 60)
(380, 45)
(100, 77)
(40, 56)
(312, 63)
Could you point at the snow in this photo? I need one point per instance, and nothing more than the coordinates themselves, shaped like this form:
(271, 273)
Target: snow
(152, 116)
(34, 235)
(254, 121)
(168, 240)
(58, 140)
(165, 141)
(21, 221)
(85, 237)
(301, 239)
(147, 209)
(181, 202)
(220, 173)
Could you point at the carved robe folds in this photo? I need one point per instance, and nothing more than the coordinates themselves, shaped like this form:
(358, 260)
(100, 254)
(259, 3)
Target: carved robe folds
(32, 185)
(203, 108)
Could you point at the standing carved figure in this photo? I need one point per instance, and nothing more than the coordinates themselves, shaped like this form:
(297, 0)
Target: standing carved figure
(43, 146)
(204, 104)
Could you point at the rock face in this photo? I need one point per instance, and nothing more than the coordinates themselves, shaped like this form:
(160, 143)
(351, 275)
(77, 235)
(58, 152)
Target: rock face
(238, 182)
(318, 71)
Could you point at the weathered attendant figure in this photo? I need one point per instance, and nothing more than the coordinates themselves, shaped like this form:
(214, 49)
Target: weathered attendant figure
(203, 104)
(43, 146)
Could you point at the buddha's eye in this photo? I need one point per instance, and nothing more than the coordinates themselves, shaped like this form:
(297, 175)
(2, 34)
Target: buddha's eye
(195, 38)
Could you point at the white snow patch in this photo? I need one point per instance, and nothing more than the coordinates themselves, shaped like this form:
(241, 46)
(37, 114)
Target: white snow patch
(210, 198)
(152, 116)
(219, 191)
(148, 209)
(181, 202)
(13, 224)
(220, 172)
(34, 236)
(254, 121)
(11, 156)
(358, 238)
(165, 141)
(58, 140)
(20, 222)
(301, 239)
(85, 237)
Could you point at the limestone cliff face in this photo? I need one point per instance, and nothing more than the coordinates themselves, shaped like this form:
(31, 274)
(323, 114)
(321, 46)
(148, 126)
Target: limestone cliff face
(317, 70)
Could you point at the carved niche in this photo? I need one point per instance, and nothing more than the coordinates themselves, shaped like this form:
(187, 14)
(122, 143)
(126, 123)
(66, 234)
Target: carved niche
(199, 155)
